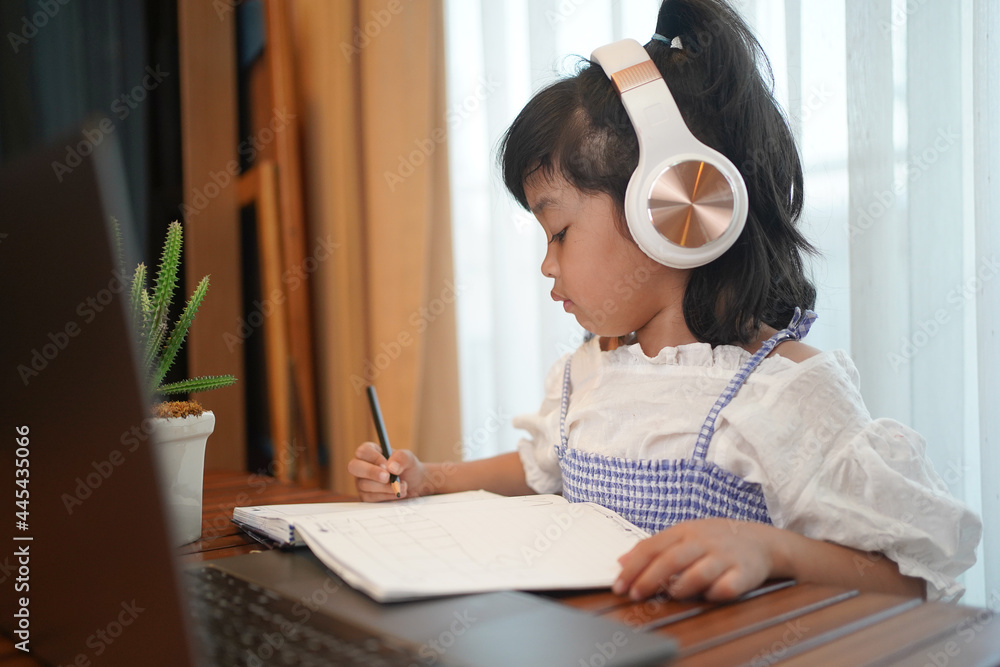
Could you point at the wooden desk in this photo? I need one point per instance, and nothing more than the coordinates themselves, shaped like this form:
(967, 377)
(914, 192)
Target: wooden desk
(804, 624)
(225, 490)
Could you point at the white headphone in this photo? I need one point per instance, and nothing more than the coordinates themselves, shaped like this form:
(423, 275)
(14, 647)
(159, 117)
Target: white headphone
(686, 203)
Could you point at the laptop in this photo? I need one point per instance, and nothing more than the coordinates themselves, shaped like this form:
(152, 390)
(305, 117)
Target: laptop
(89, 576)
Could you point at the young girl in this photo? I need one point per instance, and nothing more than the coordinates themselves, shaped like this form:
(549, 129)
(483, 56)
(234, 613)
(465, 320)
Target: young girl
(746, 460)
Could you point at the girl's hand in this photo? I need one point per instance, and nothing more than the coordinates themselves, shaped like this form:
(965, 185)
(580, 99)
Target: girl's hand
(371, 473)
(720, 558)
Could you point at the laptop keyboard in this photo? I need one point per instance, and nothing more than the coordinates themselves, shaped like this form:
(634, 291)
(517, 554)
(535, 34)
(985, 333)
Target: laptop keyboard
(242, 624)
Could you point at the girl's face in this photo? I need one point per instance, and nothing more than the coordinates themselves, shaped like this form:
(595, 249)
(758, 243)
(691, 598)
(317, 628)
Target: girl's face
(603, 279)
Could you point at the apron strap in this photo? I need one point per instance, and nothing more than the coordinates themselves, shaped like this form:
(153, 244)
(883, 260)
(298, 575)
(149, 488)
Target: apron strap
(565, 402)
(796, 330)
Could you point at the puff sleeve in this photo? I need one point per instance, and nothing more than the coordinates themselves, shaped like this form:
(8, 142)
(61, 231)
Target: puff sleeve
(538, 449)
(830, 472)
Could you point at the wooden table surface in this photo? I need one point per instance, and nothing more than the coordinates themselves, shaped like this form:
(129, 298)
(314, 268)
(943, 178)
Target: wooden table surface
(795, 624)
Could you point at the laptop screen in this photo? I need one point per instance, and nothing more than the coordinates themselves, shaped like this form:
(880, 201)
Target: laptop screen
(87, 573)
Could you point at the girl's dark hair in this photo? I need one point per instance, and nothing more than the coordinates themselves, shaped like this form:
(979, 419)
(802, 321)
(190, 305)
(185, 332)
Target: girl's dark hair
(578, 129)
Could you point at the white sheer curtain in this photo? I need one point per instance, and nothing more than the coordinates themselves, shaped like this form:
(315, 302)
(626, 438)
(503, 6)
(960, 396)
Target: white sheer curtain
(897, 111)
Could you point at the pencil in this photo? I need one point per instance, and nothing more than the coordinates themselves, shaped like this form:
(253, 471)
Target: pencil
(383, 437)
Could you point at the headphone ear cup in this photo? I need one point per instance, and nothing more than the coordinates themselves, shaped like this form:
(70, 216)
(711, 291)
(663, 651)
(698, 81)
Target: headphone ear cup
(691, 204)
(686, 203)
(686, 212)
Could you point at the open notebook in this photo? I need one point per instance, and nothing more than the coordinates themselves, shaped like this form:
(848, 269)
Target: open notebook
(277, 522)
(401, 551)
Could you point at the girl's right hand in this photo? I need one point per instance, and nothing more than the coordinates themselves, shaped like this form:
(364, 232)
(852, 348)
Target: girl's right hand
(371, 473)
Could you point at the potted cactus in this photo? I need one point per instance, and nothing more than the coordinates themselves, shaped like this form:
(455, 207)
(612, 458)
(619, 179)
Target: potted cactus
(180, 428)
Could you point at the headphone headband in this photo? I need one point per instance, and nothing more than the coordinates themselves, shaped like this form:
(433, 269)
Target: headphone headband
(686, 203)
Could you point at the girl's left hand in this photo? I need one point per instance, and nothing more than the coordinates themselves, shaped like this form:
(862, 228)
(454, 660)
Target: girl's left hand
(720, 558)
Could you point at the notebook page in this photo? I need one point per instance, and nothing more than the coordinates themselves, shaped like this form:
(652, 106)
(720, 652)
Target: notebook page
(278, 521)
(524, 543)
(292, 511)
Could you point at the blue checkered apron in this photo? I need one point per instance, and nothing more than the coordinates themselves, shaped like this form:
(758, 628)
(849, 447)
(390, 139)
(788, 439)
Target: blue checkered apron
(655, 494)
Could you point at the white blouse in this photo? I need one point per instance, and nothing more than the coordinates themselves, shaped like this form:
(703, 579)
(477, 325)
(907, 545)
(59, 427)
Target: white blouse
(801, 430)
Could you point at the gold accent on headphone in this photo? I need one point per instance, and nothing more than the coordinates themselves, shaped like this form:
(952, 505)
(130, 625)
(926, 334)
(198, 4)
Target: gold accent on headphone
(691, 204)
(635, 76)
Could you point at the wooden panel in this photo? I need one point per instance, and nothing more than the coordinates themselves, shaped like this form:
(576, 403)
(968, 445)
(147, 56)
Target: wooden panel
(207, 63)
(298, 257)
(755, 615)
(658, 611)
(976, 641)
(258, 187)
(213, 543)
(240, 550)
(788, 638)
(925, 623)
(600, 601)
(228, 490)
(273, 119)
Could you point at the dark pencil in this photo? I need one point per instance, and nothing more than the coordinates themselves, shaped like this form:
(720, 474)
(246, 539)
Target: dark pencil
(383, 437)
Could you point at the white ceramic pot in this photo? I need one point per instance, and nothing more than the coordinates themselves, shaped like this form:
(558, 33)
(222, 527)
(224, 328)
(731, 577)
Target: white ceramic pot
(179, 443)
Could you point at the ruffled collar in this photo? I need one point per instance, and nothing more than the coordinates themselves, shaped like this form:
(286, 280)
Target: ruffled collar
(703, 355)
